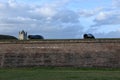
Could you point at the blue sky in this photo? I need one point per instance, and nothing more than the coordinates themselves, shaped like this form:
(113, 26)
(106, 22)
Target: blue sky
(57, 19)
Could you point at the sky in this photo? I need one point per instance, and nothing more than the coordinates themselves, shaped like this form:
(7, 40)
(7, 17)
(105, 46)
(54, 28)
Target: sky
(61, 19)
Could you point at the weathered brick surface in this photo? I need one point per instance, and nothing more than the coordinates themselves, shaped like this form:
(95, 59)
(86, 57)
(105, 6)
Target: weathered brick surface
(98, 53)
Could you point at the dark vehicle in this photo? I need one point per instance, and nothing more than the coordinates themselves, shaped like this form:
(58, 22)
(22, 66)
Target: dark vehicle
(3, 37)
(88, 36)
(35, 37)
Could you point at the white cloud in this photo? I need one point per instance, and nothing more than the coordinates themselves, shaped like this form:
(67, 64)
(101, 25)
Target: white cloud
(109, 15)
(89, 13)
(12, 3)
(116, 3)
(45, 11)
(107, 18)
(112, 34)
(101, 16)
(66, 16)
(1, 6)
(50, 20)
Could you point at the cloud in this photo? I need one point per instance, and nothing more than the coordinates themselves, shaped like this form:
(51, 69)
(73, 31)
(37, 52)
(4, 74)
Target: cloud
(90, 13)
(112, 34)
(66, 16)
(116, 3)
(107, 18)
(49, 19)
(109, 15)
(12, 3)
(103, 15)
(45, 11)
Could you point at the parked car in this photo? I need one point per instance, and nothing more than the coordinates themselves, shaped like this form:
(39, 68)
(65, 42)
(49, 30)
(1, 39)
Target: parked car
(35, 37)
(88, 36)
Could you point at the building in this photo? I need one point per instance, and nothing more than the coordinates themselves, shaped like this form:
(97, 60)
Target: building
(22, 35)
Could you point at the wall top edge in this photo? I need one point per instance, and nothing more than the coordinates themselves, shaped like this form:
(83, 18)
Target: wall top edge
(60, 41)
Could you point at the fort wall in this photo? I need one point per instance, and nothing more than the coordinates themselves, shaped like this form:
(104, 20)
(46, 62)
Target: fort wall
(76, 53)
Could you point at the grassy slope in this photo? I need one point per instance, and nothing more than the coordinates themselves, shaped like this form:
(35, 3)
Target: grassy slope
(59, 74)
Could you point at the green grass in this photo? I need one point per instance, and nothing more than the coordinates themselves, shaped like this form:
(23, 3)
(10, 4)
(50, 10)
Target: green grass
(51, 73)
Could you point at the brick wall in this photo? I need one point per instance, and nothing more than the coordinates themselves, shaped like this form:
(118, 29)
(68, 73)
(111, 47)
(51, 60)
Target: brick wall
(77, 53)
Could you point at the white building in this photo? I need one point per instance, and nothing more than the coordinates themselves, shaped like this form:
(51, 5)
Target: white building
(22, 35)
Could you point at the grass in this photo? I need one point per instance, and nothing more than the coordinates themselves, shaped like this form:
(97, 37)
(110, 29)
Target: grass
(59, 73)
